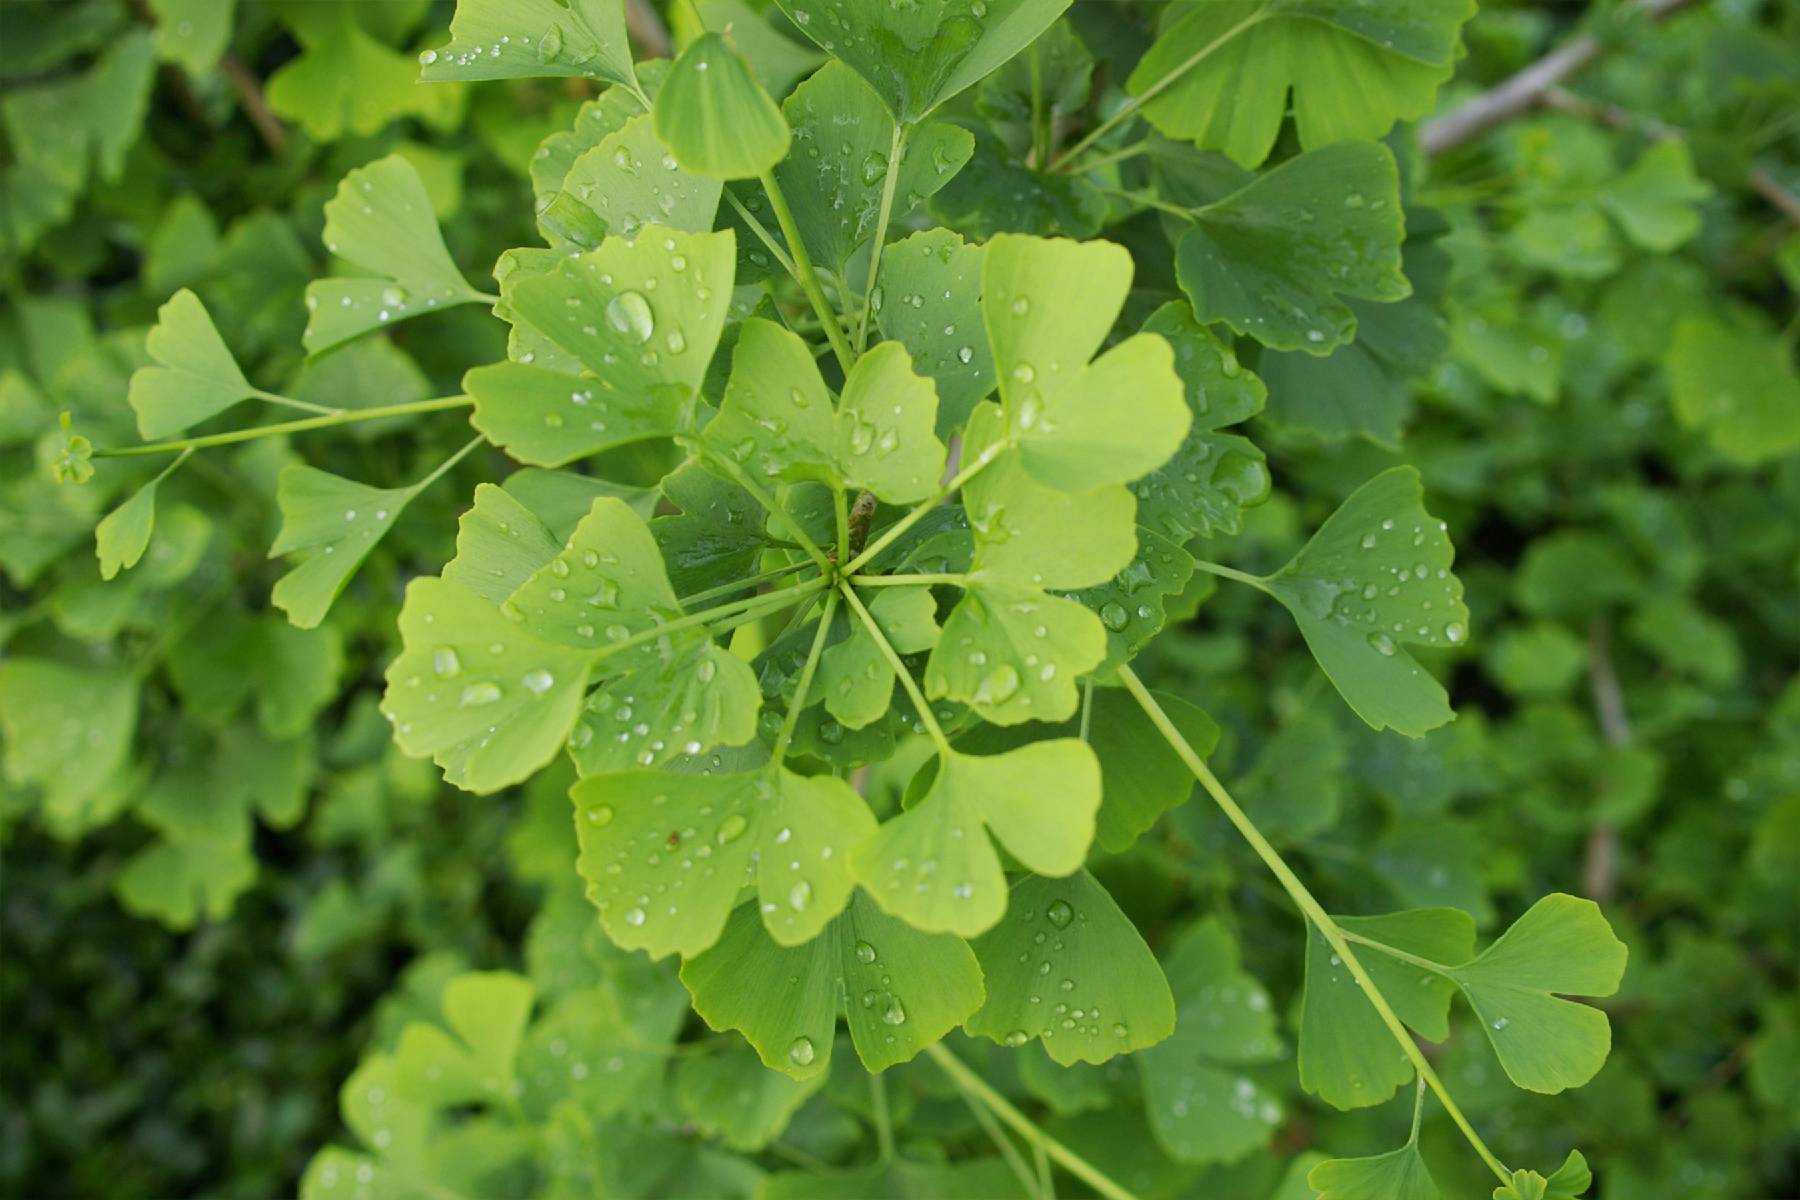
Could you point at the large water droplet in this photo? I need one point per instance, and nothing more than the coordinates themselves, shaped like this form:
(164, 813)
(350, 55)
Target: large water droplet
(1382, 643)
(477, 694)
(1113, 615)
(801, 1051)
(600, 815)
(894, 1014)
(732, 828)
(865, 953)
(800, 896)
(629, 313)
(539, 681)
(445, 663)
(1059, 913)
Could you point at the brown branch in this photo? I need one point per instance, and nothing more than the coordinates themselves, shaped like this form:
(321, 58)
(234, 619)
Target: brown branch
(646, 28)
(1600, 862)
(250, 98)
(1525, 90)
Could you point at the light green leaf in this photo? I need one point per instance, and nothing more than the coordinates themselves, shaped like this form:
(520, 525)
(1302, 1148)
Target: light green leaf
(630, 180)
(834, 183)
(1562, 946)
(1048, 304)
(473, 1060)
(381, 221)
(1656, 202)
(920, 55)
(195, 377)
(67, 127)
(527, 39)
(68, 728)
(339, 521)
(1374, 577)
(690, 700)
(1570, 1181)
(900, 989)
(1220, 73)
(124, 533)
(777, 419)
(1397, 1175)
(605, 585)
(1272, 259)
(730, 1095)
(779, 61)
(476, 691)
(1347, 1056)
(1133, 604)
(1214, 476)
(883, 438)
(1201, 1106)
(934, 867)
(934, 279)
(1031, 535)
(665, 854)
(1140, 777)
(193, 33)
(1737, 387)
(1067, 967)
(180, 880)
(499, 544)
(855, 678)
(1014, 654)
(345, 82)
(715, 117)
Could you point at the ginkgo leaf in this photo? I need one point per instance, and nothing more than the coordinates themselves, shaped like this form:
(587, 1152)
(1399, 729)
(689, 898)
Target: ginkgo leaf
(1028, 534)
(1140, 776)
(346, 82)
(935, 281)
(124, 533)
(524, 39)
(1048, 304)
(68, 728)
(193, 33)
(1273, 259)
(196, 376)
(1014, 654)
(1569, 1182)
(1220, 73)
(476, 692)
(1201, 1105)
(1133, 604)
(471, 1062)
(715, 538)
(339, 521)
(689, 700)
(1067, 967)
(179, 881)
(1737, 386)
(920, 55)
(900, 989)
(603, 586)
(665, 855)
(1397, 1175)
(77, 122)
(1656, 202)
(1562, 946)
(934, 867)
(715, 117)
(499, 545)
(835, 181)
(883, 437)
(630, 179)
(776, 419)
(595, 121)
(855, 677)
(730, 1095)
(381, 221)
(1374, 577)
(1214, 476)
(1348, 1058)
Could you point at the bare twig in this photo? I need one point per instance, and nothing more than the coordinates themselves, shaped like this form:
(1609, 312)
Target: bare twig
(1525, 90)
(646, 28)
(249, 91)
(1599, 866)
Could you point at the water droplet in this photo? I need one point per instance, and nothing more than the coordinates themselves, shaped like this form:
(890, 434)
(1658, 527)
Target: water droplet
(538, 681)
(477, 694)
(800, 896)
(426, 58)
(1454, 632)
(445, 663)
(801, 1051)
(635, 917)
(865, 953)
(1113, 615)
(1383, 644)
(874, 167)
(551, 44)
(1017, 1037)
(894, 1014)
(1059, 913)
(629, 313)
(732, 828)
(601, 815)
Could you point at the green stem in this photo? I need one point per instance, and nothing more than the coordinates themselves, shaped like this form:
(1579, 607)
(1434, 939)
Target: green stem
(917, 514)
(972, 1084)
(884, 1124)
(841, 503)
(1020, 1169)
(1149, 201)
(290, 402)
(1412, 1139)
(768, 239)
(1214, 568)
(807, 277)
(1136, 102)
(1107, 160)
(893, 657)
(792, 720)
(738, 585)
(1040, 125)
(439, 471)
(735, 469)
(1298, 893)
(907, 580)
(1397, 953)
(881, 225)
(761, 606)
(342, 417)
